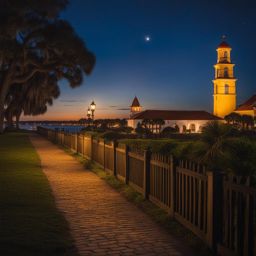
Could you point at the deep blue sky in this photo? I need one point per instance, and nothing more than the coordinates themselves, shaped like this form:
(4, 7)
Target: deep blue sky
(172, 71)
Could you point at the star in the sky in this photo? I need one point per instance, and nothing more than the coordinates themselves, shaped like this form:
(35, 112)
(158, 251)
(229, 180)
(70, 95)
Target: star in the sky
(147, 38)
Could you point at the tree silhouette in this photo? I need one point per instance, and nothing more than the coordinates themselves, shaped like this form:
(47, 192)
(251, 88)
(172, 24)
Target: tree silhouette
(247, 121)
(31, 98)
(33, 40)
(233, 118)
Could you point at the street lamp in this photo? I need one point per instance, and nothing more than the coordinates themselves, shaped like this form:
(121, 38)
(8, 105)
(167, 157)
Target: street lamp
(93, 106)
(89, 113)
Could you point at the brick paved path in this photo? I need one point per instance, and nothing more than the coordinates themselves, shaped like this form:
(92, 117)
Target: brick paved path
(102, 221)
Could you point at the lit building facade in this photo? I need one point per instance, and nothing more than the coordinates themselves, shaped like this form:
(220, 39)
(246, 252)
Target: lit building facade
(224, 84)
(248, 107)
(185, 120)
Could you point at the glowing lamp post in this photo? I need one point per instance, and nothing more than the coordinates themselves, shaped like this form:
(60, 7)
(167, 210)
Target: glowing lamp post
(89, 113)
(93, 106)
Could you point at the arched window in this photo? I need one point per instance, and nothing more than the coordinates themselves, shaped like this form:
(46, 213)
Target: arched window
(225, 72)
(192, 127)
(225, 54)
(226, 89)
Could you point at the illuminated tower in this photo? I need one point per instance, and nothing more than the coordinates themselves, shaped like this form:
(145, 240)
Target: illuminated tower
(224, 95)
(135, 107)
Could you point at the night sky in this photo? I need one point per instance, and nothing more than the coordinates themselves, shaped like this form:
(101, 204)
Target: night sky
(173, 70)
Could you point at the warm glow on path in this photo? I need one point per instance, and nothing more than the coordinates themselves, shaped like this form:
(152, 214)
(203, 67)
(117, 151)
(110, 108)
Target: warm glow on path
(101, 220)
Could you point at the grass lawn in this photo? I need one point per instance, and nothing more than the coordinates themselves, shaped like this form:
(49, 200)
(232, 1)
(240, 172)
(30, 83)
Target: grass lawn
(30, 224)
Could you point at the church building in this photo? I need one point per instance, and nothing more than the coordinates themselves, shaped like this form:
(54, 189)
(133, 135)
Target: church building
(185, 120)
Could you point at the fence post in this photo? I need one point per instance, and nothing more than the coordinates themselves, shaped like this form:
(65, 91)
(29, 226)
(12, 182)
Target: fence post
(146, 185)
(214, 208)
(103, 154)
(77, 142)
(82, 149)
(76, 139)
(209, 209)
(91, 142)
(114, 157)
(127, 170)
(172, 187)
(218, 211)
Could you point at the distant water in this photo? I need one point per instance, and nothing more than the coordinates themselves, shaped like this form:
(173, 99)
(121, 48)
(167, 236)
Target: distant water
(65, 128)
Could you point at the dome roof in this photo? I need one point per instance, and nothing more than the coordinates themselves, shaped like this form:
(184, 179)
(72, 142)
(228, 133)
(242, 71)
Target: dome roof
(224, 44)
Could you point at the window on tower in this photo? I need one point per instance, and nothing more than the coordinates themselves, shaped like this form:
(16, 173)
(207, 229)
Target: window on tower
(225, 72)
(226, 89)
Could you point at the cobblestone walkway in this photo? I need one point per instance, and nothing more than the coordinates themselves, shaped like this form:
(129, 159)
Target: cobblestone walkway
(102, 222)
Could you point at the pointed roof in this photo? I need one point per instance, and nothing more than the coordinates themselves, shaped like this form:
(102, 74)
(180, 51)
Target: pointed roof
(224, 44)
(135, 102)
(250, 104)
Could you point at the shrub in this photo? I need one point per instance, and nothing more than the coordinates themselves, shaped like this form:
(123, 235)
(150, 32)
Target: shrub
(170, 130)
(110, 135)
(241, 156)
(162, 146)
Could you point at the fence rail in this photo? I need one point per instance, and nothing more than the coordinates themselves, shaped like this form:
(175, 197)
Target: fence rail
(220, 210)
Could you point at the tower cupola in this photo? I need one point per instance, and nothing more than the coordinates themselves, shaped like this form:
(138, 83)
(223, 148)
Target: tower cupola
(135, 107)
(224, 83)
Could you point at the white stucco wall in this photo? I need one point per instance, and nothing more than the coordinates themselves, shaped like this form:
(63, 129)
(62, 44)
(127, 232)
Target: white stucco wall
(172, 123)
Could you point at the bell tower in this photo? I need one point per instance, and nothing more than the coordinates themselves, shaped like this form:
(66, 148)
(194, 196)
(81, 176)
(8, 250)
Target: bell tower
(224, 84)
(135, 107)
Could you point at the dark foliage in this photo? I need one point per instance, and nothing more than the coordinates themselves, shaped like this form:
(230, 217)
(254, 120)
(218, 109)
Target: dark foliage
(38, 48)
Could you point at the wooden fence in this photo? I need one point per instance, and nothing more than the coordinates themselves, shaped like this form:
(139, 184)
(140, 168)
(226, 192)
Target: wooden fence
(218, 209)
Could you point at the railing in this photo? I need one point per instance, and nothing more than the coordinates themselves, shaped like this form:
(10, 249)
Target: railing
(161, 179)
(219, 210)
(98, 154)
(109, 154)
(136, 170)
(192, 183)
(239, 218)
(121, 161)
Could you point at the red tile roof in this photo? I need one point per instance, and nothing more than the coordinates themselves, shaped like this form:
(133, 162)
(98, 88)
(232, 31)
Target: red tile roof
(175, 115)
(249, 104)
(135, 102)
(224, 44)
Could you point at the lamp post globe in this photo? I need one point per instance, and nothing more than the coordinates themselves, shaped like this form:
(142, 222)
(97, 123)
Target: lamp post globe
(93, 106)
(88, 113)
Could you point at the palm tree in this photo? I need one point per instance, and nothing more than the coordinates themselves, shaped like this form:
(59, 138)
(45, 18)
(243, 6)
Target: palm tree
(211, 149)
(159, 122)
(233, 118)
(247, 121)
(145, 123)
